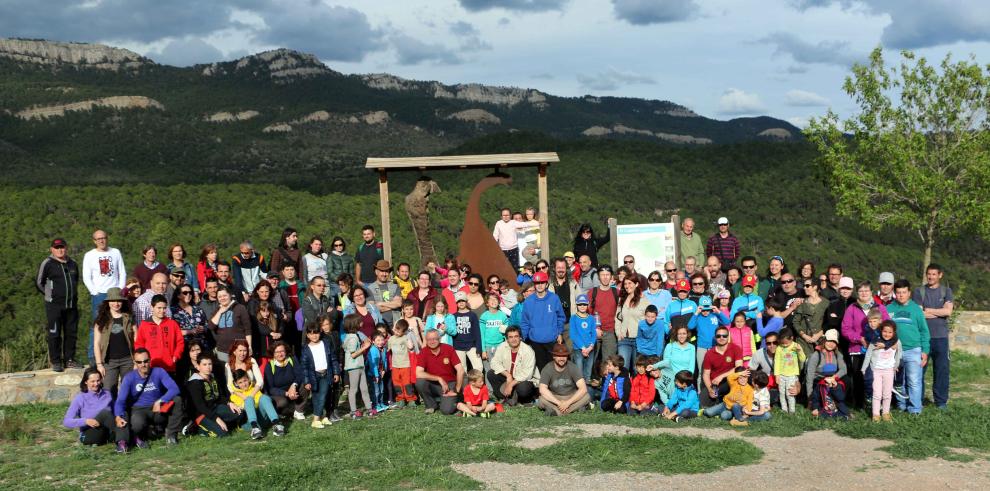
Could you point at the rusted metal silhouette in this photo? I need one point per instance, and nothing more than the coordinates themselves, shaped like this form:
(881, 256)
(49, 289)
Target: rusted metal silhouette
(418, 209)
(478, 246)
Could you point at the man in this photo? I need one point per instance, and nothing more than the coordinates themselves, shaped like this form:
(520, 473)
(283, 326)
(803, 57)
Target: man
(724, 245)
(831, 292)
(58, 280)
(690, 266)
(513, 372)
(224, 277)
(506, 236)
(885, 294)
(763, 360)
(209, 301)
(670, 276)
(403, 280)
(176, 278)
(147, 396)
(565, 289)
(571, 262)
(369, 252)
(292, 288)
(587, 278)
(437, 367)
(161, 336)
(720, 362)
(936, 301)
(716, 278)
(562, 387)
(604, 304)
(915, 338)
(102, 269)
(142, 305)
(386, 294)
(749, 266)
(287, 251)
(630, 263)
(690, 243)
(788, 295)
(149, 266)
(542, 320)
(248, 267)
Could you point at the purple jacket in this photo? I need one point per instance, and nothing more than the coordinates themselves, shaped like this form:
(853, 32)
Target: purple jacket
(855, 324)
(84, 406)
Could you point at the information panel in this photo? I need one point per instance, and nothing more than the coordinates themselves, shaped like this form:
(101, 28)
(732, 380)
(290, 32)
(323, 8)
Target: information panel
(652, 244)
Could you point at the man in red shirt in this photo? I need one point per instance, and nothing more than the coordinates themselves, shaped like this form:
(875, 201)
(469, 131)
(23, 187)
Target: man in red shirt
(719, 362)
(604, 303)
(439, 373)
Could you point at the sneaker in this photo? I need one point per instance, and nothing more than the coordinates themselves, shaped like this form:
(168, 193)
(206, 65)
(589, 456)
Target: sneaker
(278, 430)
(317, 424)
(72, 364)
(736, 422)
(876, 418)
(256, 433)
(298, 416)
(139, 443)
(888, 417)
(382, 407)
(372, 413)
(485, 415)
(326, 421)
(187, 429)
(464, 414)
(429, 410)
(334, 418)
(677, 419)
(121, 447)
(356, 415)
(57, 367)
(400, 405)
(171, 440)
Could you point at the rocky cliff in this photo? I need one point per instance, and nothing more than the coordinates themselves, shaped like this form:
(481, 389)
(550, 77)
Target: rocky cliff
(81, 55)
(282, 65)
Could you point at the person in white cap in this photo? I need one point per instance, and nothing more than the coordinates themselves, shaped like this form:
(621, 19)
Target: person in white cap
(723, 245)
(885, 295)
(823, 379)
(837, 309)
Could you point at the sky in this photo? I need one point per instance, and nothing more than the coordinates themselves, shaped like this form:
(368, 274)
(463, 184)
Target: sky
(720, 58)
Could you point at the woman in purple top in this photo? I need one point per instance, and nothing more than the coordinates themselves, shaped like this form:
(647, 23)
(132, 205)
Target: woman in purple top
(90, 411)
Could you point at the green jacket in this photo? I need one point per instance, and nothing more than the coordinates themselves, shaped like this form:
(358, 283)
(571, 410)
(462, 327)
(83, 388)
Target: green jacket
(912, 328)
(693, 246)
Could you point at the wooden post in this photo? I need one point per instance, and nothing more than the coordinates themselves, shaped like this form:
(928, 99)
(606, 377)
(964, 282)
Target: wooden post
(541, 184)
(613, 231)
(386, 221)
(676, 221)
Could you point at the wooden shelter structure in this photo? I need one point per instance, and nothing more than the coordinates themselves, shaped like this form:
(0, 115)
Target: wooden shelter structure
(457, 162)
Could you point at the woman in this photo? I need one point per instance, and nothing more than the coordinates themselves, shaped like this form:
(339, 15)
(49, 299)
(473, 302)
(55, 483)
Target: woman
(699, 287)
(806, 272)
(775, 269)
(732, 277)
(339, 262)
(316, 303)
(620, 274)
(206, 268)
(266, 319)
(284, 381)
(149, 267)
(314, 262)
(177, 261)
(858, 336)
(345, 283)
(113, 339)
(287, 251)
(476, 299)
(632, 309)
(824, 371)
(809, 318)
(681, 353)
(230, 322)
(585, 243)
(91, 412)
(239, 358)
(442, 321)
(191, 318)
(186, 367)
(424, 297)
(370, 316)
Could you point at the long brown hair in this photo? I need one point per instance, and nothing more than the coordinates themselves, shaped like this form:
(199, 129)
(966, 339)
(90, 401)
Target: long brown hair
(207, 248)
(231, 359)
(637, 293)
(104, 319)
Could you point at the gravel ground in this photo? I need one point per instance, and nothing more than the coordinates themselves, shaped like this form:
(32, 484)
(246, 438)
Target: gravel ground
(813, 460)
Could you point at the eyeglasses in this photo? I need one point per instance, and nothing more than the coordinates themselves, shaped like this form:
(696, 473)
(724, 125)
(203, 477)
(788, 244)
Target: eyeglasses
(474, 283)
(721, 336)
(142, 362)
(628, 262)
(787, 281)
(493, 282)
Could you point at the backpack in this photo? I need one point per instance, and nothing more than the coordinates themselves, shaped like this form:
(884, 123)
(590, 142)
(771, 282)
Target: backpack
(942, 292)
(594, 297)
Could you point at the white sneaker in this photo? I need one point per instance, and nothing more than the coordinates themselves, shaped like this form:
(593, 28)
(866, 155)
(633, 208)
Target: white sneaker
(298, 416)
(326, 421)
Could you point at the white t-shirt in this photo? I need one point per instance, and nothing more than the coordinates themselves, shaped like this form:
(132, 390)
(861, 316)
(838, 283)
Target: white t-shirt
(884, 358)
(319, 356)
(103, 270)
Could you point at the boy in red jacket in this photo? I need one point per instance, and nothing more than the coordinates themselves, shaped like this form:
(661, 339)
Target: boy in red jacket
(642, 391)
(161, 336)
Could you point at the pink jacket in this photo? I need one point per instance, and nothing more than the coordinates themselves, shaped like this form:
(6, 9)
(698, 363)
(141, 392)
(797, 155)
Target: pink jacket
(855, 324)
(743, 338)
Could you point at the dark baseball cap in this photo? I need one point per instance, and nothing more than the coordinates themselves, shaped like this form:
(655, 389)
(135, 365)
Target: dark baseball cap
(57, 243)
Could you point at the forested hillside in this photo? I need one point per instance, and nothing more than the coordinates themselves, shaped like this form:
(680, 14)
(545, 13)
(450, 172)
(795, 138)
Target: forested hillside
(770, 191)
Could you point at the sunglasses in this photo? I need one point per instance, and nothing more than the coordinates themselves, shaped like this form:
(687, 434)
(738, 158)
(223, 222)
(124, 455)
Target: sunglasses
(541, 268)
(474, 283)
(493, 282)
(771, 343)
(698, 284)
(671, 270)
(749, 266)
(787, 281)
(721, 336)
(142, 362)
(338, 245)
(654, 279)
(186, 293)
(628, 262)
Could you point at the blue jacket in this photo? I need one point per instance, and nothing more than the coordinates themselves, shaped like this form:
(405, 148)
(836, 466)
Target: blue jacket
(622, 387)
(279, 379)
(308, 364)
(772, 325)
(684, 399)
(661, 299)
(372, 309)
(515, 316)
(374, 356)
(650, 338)
(750, 304)
(130, 394)
(542, 318)
(680, 358)
(678, 307)
(583, 332)
(704, 327)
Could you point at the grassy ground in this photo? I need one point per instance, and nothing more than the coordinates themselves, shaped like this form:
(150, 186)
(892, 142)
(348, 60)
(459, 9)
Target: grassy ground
(408, 449)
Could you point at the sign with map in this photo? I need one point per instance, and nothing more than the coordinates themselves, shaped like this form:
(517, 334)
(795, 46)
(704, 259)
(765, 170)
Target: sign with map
(652, 244)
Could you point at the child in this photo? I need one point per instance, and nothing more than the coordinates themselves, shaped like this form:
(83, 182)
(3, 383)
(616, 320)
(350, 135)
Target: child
(525, 273)
(378, 372)
(389, 397)
(884, 356)
(742, 336)
(787, 363)
(467, 339)
(333, 338)
(652, 331)
(245, 397)
(400, 344)
(723, 302)
(749, 303)
(663, 379)
(871, 334)
(773, 323)
(442, 321)
(415, 325)
(493, 325)
(761, 397)
(584, 335)
(475, 396)
(683, 403)
(318, 360)
(823, 379)
(736, 406)
(616, 386)
(642, 391)
(355, 345)
(212, 415)
(704, 324)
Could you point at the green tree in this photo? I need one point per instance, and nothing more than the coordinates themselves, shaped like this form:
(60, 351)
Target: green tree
(917, 155)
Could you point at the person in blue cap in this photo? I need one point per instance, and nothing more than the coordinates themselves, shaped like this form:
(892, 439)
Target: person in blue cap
(584, 332)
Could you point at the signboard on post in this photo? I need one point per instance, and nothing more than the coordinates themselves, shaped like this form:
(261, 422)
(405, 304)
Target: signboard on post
(652, 244)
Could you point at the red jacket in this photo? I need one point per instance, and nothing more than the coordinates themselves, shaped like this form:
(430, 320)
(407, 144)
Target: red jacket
(163, 341)
(642, 391)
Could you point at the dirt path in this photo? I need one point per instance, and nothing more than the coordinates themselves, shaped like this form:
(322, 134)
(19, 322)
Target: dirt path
(813, 460)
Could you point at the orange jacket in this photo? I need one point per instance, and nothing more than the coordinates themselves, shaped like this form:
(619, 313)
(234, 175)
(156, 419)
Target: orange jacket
(643, 390)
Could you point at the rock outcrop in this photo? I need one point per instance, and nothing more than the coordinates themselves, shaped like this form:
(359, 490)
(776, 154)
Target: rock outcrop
(385, 81)
(620, 129)
(499, 96)
(78, 55)
(116, 102)
(775, 134)
(277, 128)
(679, 112)
(479, 116)
(227, 117)
(282, 65)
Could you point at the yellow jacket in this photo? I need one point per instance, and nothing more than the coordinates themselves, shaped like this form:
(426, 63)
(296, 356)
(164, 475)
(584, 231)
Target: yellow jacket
(238, 396)
(738, 394)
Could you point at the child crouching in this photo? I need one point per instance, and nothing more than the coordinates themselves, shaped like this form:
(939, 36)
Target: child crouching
(642, 391)
(683, 402)
(616, 386)
(736, 406)
(475, 396)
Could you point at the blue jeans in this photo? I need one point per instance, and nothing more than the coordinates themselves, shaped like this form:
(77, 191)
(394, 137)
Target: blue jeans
(266, 409)
(95, 300)
(320, 390)
(627, 350)
(377, 389)
(912, 383)
(718, 410)
(584, 365)
(938, 359)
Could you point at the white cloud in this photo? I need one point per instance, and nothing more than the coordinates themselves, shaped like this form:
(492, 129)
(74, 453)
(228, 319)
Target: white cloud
(804, 98)
(826, 52)
(799, 121)
(186, 52)
(735, 102)
(612, 79)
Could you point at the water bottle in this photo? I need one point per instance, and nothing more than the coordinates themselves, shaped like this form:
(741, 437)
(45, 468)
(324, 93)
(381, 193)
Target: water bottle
(598, 320)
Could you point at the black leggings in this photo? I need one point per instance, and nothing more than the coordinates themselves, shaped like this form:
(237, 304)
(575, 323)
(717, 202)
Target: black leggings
(102, 434)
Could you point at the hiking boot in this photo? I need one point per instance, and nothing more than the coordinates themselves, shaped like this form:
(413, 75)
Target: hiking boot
(317, 424)
(256, 433)
(72, 364)
(139, 443)
(57, 367)
(429, 410)
(278, 430)
(121, 447)
(171, 440)
(888, 417)
(298, 415)
(736, 422)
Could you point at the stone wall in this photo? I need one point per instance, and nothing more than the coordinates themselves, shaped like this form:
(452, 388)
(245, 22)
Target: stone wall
(971, 333)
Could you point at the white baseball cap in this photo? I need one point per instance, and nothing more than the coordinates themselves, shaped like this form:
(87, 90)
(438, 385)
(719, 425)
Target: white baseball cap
(722, 221)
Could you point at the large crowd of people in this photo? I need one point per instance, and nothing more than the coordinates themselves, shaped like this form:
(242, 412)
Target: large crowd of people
(177, 348)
